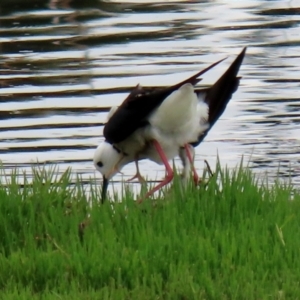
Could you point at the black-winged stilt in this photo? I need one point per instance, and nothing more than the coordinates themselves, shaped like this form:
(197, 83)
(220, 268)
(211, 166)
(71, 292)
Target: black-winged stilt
(161, 123)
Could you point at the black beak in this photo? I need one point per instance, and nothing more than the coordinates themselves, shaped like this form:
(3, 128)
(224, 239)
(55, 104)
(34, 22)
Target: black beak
(104, 189)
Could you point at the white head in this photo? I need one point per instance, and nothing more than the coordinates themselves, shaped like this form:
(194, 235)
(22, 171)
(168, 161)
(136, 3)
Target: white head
(107, 159)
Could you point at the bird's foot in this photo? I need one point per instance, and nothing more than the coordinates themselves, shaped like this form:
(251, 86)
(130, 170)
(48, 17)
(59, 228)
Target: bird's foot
(198, 180)
(139, 201)
(137, 176)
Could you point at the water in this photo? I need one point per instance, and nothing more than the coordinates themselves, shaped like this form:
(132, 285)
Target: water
(63, 64)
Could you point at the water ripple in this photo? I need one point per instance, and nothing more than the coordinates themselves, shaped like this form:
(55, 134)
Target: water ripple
(64, 64)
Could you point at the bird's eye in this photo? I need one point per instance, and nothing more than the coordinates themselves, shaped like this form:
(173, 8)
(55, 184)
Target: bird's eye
(100, 164)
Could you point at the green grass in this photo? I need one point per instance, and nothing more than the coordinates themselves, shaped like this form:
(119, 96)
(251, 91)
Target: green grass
(233, 239)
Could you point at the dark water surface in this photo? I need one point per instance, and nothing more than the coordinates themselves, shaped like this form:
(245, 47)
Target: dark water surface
(63, 64)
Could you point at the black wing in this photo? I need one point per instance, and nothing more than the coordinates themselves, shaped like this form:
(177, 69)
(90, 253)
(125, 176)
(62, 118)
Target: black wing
(218, 96)
(140, 103)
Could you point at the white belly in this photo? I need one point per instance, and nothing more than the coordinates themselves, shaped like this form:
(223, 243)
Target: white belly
(176, 119)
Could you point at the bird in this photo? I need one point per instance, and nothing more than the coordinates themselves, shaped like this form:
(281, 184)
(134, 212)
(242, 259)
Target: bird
(162, 122)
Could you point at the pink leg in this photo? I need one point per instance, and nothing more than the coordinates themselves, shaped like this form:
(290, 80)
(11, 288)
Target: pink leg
(169, 171)
(188, 153)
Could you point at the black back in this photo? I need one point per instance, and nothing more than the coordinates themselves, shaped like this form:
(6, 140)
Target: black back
(136, 108)
(218, 96)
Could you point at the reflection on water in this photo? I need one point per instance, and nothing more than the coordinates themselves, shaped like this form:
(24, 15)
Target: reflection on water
(64, 64)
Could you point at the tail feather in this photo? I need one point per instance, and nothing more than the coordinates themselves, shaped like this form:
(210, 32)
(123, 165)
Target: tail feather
(218, 96)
